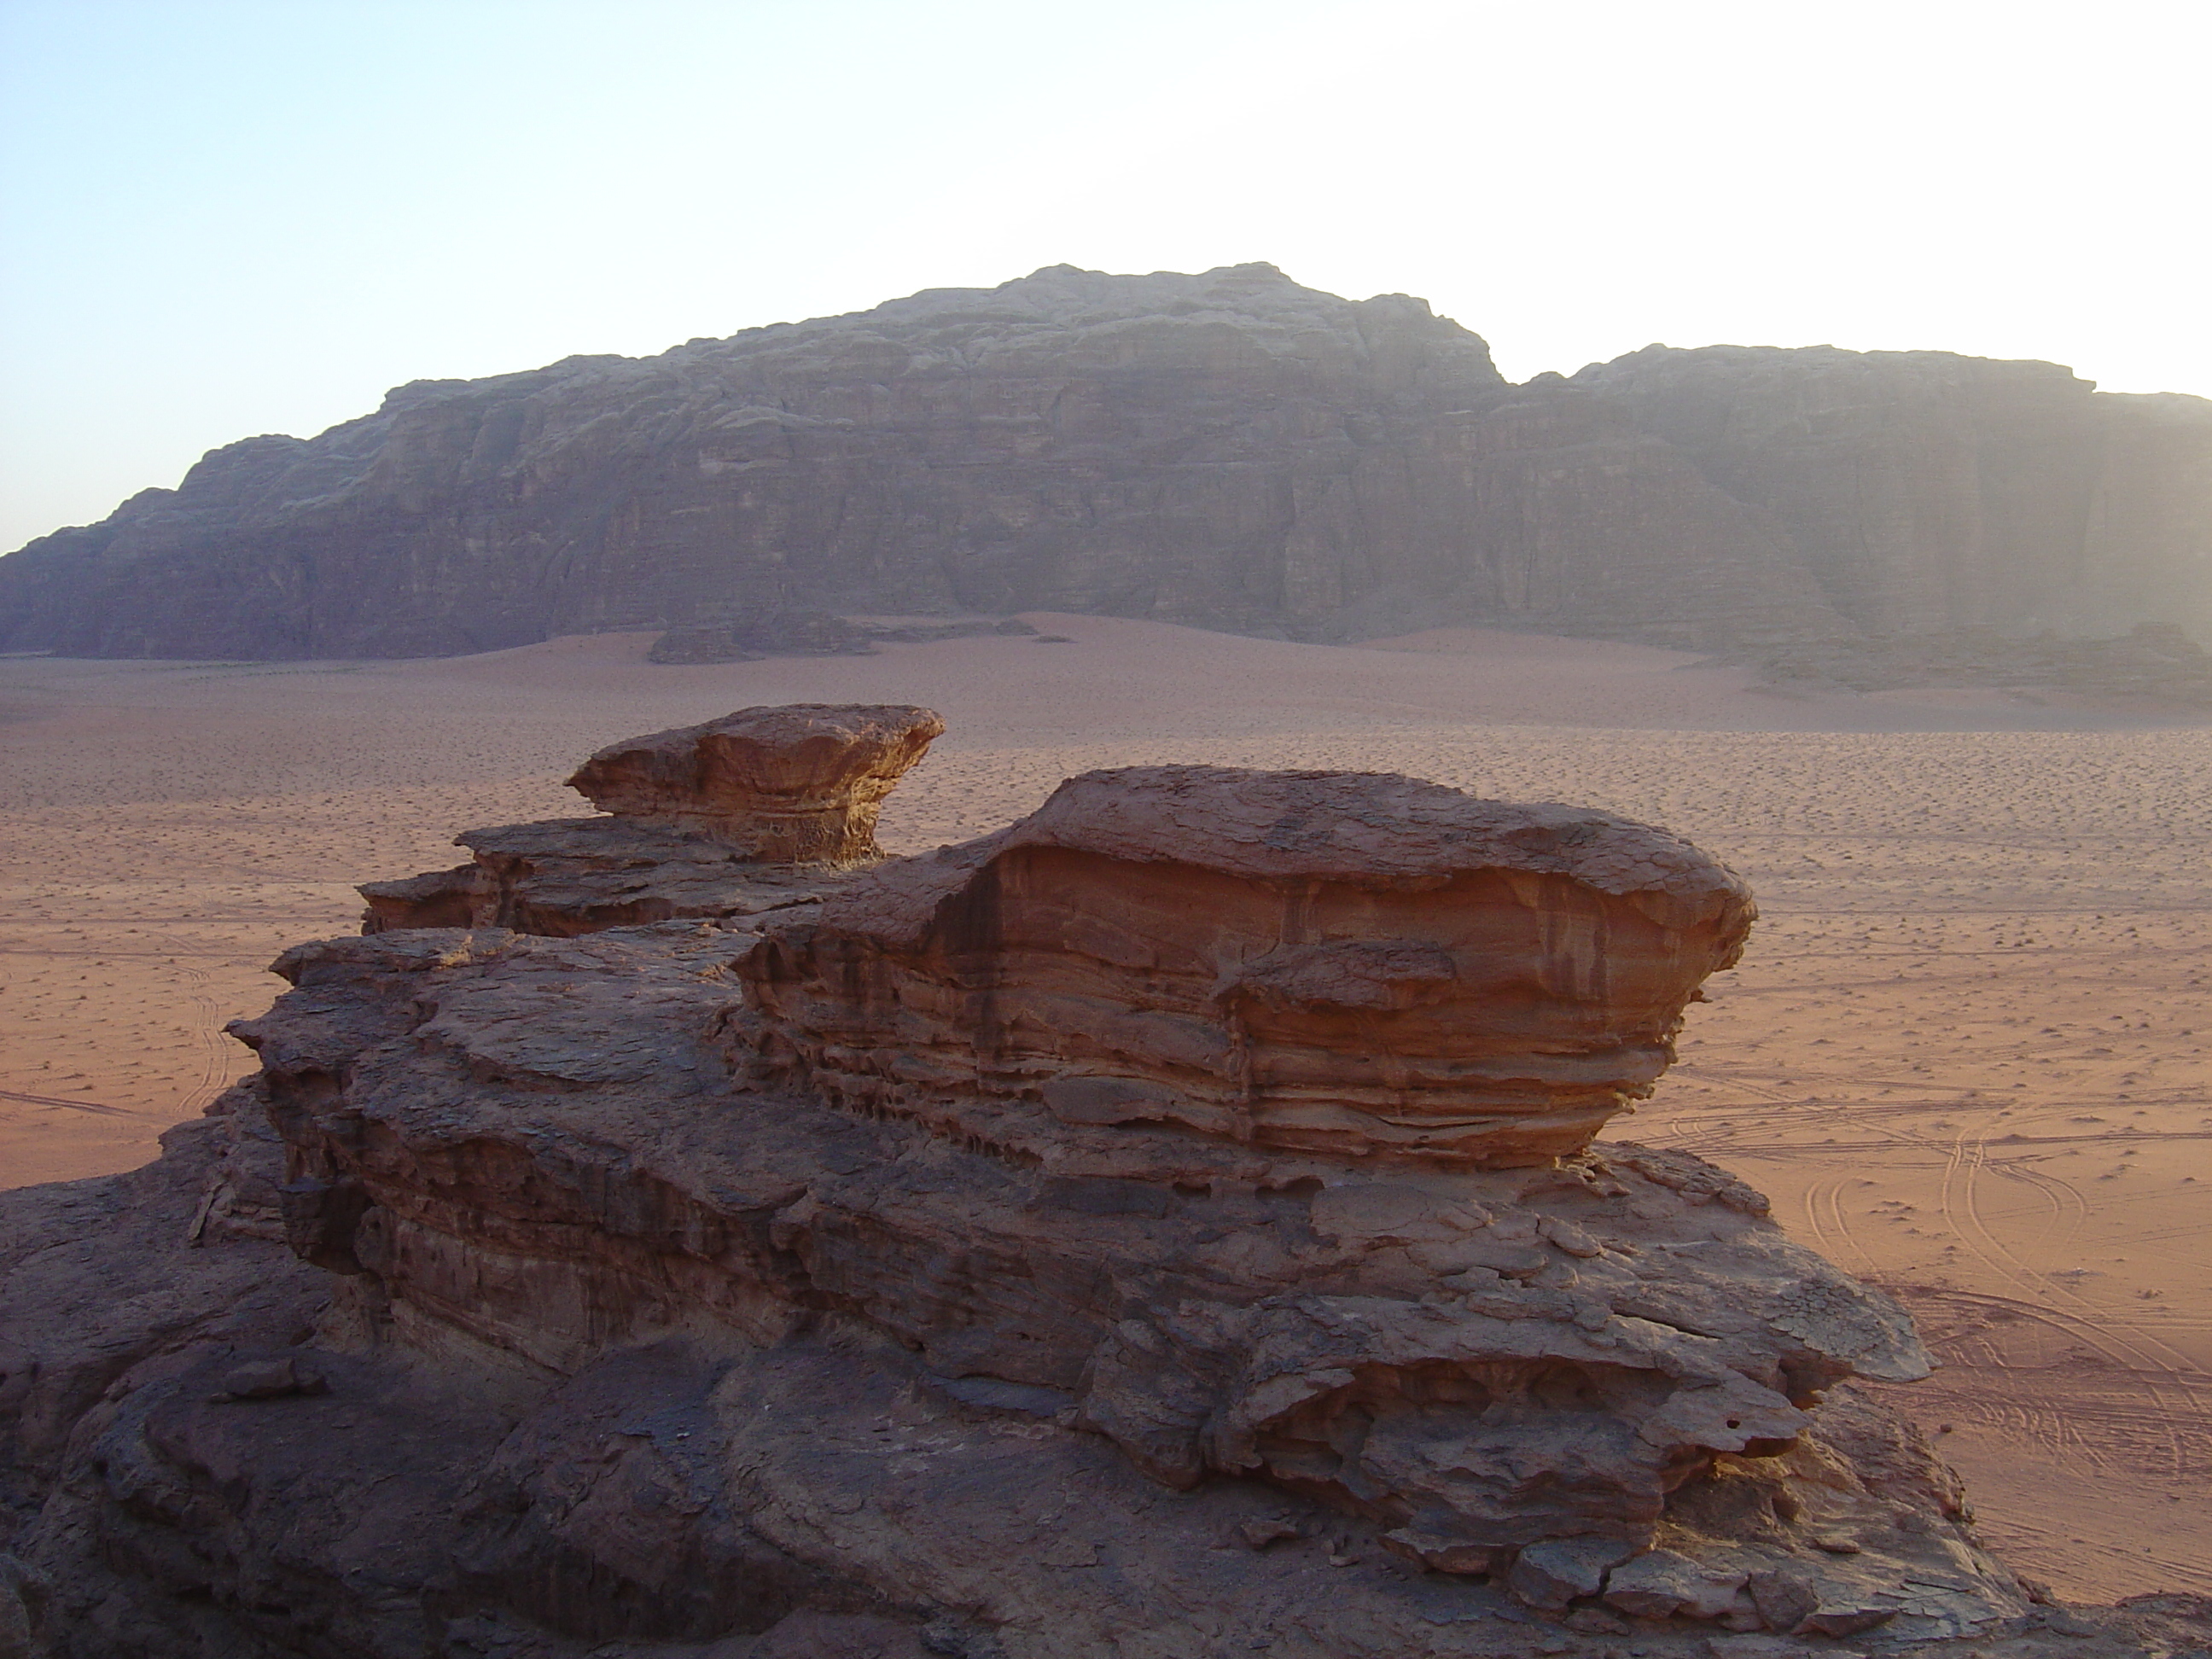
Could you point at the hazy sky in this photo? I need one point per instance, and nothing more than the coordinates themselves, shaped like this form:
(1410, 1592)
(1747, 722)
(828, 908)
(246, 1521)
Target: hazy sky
(224, 218)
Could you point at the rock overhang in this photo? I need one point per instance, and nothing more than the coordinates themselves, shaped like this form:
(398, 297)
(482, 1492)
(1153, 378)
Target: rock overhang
(1351, 965)
(791, 783)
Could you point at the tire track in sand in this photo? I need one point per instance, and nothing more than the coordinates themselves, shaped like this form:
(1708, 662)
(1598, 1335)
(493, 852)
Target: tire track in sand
(2163, 1372)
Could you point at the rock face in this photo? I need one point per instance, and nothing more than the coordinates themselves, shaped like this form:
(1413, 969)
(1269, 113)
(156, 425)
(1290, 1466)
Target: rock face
(569, 876)
(1227, 449)
(761, 810)
(1355, 966)
(587, 1344)
(522, 1154)
(1928, 493)
(801, 783)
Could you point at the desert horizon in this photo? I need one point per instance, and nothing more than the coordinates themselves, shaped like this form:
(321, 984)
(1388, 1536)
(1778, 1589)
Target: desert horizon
(991, 832)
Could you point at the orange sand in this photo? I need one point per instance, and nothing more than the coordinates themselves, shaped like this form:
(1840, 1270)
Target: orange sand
(1966, 1052)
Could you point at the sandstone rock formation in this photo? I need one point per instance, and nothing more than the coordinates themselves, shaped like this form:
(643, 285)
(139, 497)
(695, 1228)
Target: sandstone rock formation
(800, 783)
(519, 1156)
(1227, 449)
(587, 1344)
(1321, 962)
(582, 875)
(760, 810)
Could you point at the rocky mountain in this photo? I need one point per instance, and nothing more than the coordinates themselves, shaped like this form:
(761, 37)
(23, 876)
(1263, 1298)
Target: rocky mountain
(1227, 449)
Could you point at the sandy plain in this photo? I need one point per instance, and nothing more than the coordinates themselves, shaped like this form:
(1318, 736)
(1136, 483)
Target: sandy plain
(1966, 1052)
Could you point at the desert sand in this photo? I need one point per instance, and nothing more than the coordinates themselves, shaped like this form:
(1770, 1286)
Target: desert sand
(1965, 1053)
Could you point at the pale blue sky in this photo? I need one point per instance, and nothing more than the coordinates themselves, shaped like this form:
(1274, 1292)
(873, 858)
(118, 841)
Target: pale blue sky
(223, 218)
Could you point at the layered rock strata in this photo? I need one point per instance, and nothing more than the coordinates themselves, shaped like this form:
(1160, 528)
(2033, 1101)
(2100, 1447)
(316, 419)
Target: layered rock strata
(1130, 1007)
(584, 875)
(526, 1147)
(1227, 449)
(1355, 966)
(759, 810)
(589, 1342)
(520, 1420)
(795, 783)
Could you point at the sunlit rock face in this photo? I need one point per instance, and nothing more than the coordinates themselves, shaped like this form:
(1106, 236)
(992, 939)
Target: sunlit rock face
(1354, 965)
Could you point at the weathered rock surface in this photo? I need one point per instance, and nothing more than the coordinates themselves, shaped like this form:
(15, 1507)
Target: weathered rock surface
(1476, 1361)
(1227, 449)
(1325, 963)
(759, 810)
(587, 1345)
(797, 783)
(617, 1354)
(584, 875)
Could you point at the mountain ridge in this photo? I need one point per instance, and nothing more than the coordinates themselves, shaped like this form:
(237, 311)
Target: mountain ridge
(1227, 449)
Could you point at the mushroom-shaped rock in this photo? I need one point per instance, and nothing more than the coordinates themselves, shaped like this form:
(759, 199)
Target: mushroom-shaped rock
(763, 809)
(1345, 965)
(798, 783)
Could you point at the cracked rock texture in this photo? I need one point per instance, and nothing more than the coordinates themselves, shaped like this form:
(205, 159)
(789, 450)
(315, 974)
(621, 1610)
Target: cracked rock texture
(1227, 449)
(581, 1342)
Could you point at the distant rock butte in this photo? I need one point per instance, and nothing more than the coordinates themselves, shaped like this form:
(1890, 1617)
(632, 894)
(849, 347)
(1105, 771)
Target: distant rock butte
(1009, 1253)
(1227, 449)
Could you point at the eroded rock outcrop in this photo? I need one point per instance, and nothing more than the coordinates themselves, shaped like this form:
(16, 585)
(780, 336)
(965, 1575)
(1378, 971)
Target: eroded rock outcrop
(534, 1153)
(1927, 492)
(759, 810)
(661, 1286)
(798, 783)
(1323, 963)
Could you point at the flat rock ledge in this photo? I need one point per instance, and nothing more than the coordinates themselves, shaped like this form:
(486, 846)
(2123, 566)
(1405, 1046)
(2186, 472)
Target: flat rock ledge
(761, 810)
